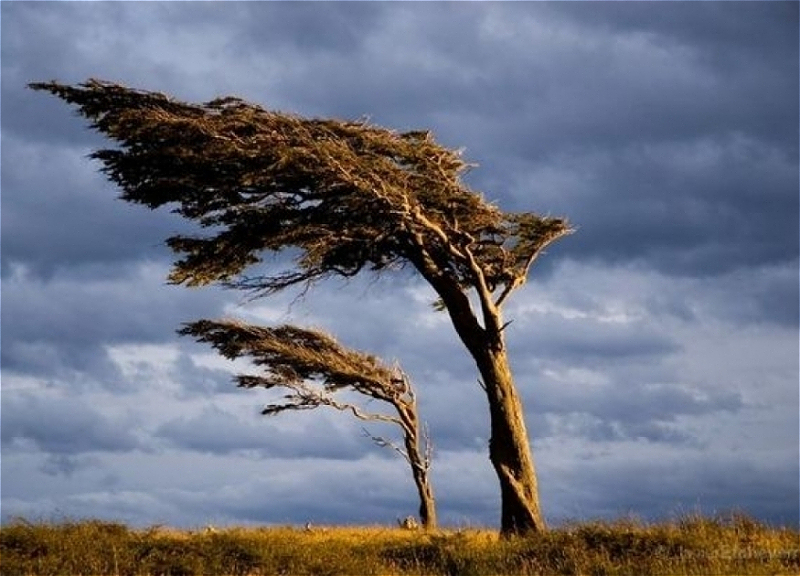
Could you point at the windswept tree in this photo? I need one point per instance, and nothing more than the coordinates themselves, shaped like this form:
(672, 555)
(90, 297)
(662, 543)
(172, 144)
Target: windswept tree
(314, 368)
(340, 197)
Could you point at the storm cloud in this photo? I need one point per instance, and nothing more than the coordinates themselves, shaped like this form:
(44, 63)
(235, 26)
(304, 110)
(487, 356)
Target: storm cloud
(655, 349)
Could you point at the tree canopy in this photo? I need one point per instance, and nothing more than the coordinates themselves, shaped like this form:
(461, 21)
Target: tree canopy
(347, 195)
(294, 357)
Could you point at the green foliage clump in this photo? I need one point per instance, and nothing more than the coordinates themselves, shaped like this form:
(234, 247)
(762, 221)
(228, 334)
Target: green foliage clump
(689, 546)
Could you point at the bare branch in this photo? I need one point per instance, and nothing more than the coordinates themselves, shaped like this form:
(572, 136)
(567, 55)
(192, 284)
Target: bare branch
(359, 413)
(384, 443)
(428, 458)
(505, 325)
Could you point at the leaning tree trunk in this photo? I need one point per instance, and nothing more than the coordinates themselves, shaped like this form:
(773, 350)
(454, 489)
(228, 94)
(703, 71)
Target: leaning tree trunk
(420, 460)
(509, 448)
(427, 503)
(427, 506)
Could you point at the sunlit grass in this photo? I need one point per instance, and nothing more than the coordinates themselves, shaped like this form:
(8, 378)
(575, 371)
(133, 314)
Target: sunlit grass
(691, 545)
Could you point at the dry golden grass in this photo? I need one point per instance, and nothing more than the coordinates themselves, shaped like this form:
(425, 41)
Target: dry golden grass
(692, 545)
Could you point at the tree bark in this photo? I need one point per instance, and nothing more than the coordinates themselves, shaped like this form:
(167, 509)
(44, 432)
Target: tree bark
(427, 503)
(419, 459)
(509, 448)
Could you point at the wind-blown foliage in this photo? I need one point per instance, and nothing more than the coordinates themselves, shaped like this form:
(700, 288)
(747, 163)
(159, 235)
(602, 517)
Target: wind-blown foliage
(312, 366)
(260, 181)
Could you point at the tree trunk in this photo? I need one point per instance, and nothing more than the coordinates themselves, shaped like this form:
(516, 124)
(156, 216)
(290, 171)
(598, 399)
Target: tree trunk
(427, 503)
(509, 448)
(419, 468)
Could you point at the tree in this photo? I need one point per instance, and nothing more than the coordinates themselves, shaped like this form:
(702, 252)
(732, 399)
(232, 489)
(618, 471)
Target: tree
(341, 197)
(296, 358)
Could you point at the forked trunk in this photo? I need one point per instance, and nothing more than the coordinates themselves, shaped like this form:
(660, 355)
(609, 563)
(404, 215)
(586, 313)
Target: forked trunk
(509, 448)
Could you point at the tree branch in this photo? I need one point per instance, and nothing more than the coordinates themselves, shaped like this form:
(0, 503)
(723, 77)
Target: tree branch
(384, 443)
(358, 412)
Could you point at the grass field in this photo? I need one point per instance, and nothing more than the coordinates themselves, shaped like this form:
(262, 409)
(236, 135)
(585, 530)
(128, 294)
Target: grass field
(692, 545)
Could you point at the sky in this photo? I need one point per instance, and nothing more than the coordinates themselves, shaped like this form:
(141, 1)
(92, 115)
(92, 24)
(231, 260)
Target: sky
(656, 349)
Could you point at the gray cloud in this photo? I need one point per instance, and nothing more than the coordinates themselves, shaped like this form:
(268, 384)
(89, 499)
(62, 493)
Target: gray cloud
(550, 334)
(727, 204)
(63, 216)
(666, 132)
(60, 426)
(65, 464)
(67, 321)
(216, 431)
(196, 380)
(655, 490)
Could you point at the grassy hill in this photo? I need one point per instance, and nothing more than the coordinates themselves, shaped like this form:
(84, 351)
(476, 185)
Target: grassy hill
(693, 545)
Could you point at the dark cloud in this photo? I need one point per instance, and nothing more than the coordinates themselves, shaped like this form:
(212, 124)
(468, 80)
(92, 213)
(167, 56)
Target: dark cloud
(657, 490)
(619, 411)
(642, 403)
(198, 380)
(57, 464)
(763, 294)
(315, 30)
(60, 426)
(729, 32)
(649, 431)
(216, 431)
(587, 339)
(59, 214)
(625, 74)
(703, 209)
(68, 321)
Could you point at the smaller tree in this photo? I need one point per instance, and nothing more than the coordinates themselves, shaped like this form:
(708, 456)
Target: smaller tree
(314, 367)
